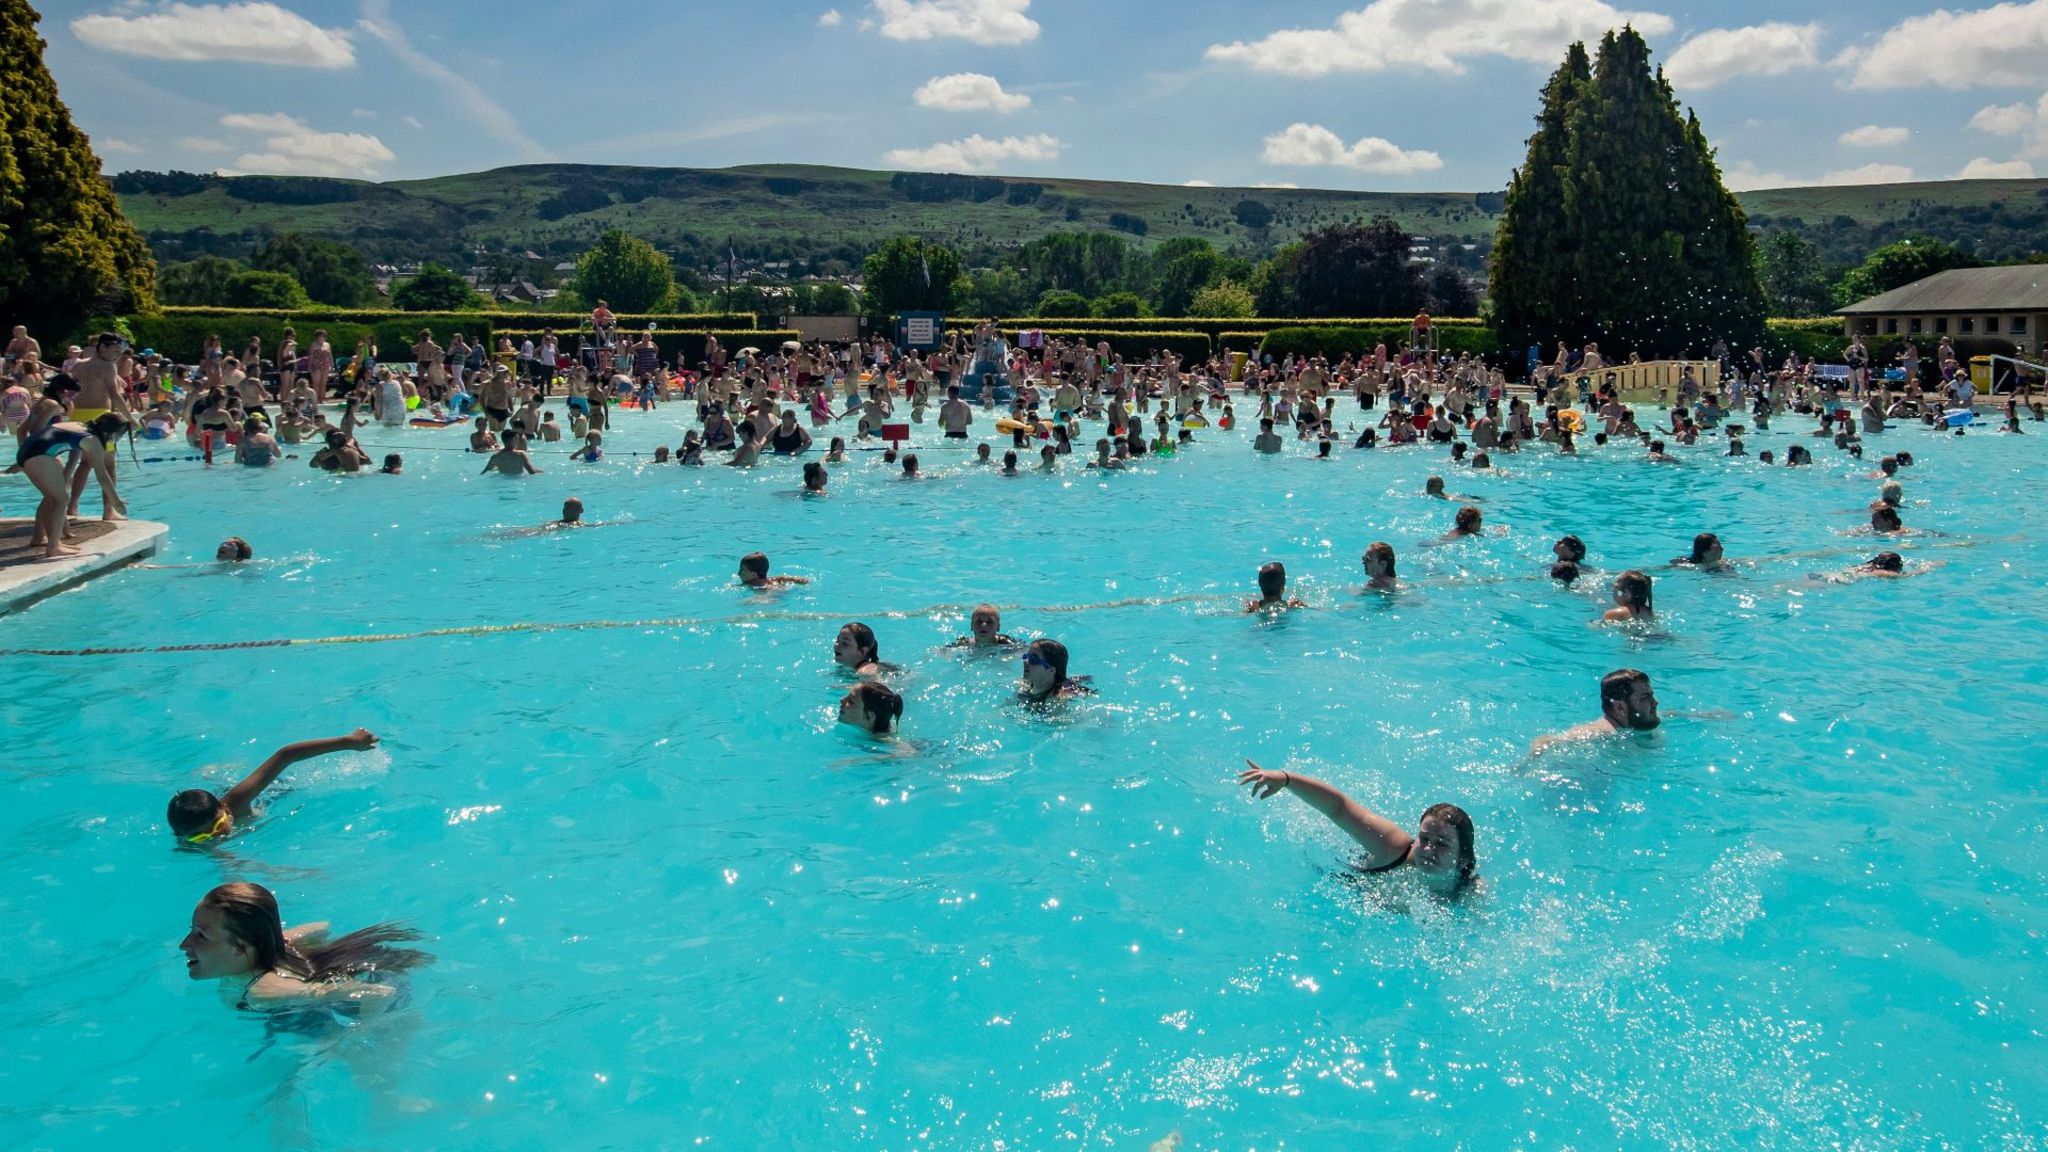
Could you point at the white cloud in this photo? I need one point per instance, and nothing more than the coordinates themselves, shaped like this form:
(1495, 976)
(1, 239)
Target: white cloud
(1197, 184)
(2027, 121)
(977, 153)
(1984, 168)
(1275, 184)
(831, 19)
(1874, 136)
(488, 113)
(257, 33)
(1984, 47)
(109, 144)
(1870, 174)
(203, 144)
(362, 113)
(969, 92)
(292, 148)
(979, 21)
(1721, 55)
(413, 122)
(1435, 35)
(1743, 176)
(1314, 146)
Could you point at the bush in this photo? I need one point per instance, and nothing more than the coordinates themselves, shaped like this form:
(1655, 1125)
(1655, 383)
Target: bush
(1214, 326)
(1821, 340)
(1132, 346)
(1119, 306)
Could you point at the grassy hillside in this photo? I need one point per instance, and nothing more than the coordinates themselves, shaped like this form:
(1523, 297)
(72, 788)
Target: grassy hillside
(790, 211)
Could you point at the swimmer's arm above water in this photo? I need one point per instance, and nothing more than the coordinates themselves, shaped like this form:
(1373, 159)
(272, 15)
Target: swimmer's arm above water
(1383, 840)
(242, 797)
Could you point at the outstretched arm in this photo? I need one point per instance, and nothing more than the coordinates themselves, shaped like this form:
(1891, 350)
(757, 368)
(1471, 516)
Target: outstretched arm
(1384, 841)
(242, 796)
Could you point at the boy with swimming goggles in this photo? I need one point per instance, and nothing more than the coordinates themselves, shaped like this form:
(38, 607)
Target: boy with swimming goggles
(199, 817)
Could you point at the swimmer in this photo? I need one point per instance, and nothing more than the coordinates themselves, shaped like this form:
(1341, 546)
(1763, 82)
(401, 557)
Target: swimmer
(754, 573)
(482, 440)
(1565, 572)
(1481, 460)
(1468, 523)
(910, 471)
(1267, 441)
(592, 450)
(1440, 849)
(982, 453)
(1434, 487)
(572, 515)
(1379, 567)
(394, 465)
(855, 647)
(1658, 454)
(815, 475)
(1048, 459)
(1045, 674)
(1570, 549)
(1631, 598)
(984, 630)
(1272, 590)
(197, 816)
(871, 707)
(1885, 565)
(511, 460)
(836, 454)
(1706, 554)
(1010, 464)
(1889, 494)
(237, 935)
(1626, 705)
(233, 550)
(1884, 521)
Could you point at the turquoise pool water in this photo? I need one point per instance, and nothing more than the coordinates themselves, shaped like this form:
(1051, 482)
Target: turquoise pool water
(674, 905)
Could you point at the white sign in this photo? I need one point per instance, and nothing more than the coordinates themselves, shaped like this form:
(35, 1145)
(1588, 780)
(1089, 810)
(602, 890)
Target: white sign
(919, 331)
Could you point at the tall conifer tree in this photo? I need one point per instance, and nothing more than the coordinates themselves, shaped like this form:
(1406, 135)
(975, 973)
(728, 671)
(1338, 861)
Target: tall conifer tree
(66, 252)
(1649, 253)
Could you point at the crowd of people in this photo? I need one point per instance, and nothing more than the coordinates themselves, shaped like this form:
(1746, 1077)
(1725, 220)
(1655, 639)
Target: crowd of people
(1045, 399)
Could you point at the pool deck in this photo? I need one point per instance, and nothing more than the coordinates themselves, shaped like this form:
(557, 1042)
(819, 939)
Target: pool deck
(26, 577)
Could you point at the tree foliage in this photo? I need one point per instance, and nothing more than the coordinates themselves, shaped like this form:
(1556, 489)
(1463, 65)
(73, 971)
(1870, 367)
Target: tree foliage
(436, 289)
(1450, 295)
(1180, 269)
(66, 252)
(1794, 285)
(909, 274)
(1119, 305)
(1345, 270)
(1900, 264)
(253, 288)
(330, 272)
(1090, 263)
(202, 282)
(626, 272)
(1223, 298)
(1617, 228)
(1060, 304)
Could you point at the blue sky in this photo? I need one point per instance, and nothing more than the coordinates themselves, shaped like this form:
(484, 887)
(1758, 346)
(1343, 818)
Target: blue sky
(1373, 94)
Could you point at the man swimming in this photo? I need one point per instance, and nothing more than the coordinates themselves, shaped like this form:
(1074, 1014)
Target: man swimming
(1272, 590)
(754, 574)
(984, 630)
(1379, 567)
(1626, 705)
(197, 816)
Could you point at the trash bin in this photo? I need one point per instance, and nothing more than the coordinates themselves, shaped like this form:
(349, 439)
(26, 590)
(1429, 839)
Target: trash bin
(1980, 374)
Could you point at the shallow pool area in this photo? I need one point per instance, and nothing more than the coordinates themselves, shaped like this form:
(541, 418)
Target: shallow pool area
(674, 904)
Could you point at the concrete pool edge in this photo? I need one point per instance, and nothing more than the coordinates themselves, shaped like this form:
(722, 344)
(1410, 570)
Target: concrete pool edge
(22, 584)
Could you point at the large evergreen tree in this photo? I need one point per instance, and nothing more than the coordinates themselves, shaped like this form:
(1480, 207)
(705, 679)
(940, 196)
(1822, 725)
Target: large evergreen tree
(1346, 270)
(1621, 231)
(66, 252)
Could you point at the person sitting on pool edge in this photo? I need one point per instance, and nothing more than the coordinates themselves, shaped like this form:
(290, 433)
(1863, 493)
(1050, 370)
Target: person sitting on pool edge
(1631, 598)
(1626, 705)
(1379, 567)
(197, 816)
(1440, 849)
(237, 933)
(872, 707)
(754, 574)
(1272, 590)
(984, 630)
(1045, 674)
(855, 647)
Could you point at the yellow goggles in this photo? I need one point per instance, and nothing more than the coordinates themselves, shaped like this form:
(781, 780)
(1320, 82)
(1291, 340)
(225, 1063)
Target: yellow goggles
(222, 824)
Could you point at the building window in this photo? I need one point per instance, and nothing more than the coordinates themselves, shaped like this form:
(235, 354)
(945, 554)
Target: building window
(1913, 326)
(1941, 325)
(1991, 325)
(2019, 325)
(1967, 326)
(1891, 325)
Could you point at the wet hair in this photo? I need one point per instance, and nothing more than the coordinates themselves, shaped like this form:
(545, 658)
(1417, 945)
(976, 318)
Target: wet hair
(1481, 460)
(1565, 571)
(1574, 548)
(1272, 578)
(813, 470)
(909, 462)
(249, 913)
(1434, 484)
(1887, 562)
(1657, 446)
(193, 812)
(60, 384)
(1886, 519)
(755, 562)
(242, 549)
(1053, 653)
(884, 705)
(107, 425)
(1633, 586)
(864, 639)
(1891, 492)
(1384, 551)
(1456, 817)
(1905, 459)
(1702, 544)
(393, 462)
(1468, 519)
(1619, 684)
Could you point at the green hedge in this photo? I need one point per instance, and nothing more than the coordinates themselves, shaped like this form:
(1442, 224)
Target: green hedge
(1132, 345)
(690, 344)
(1337, 340)
(181, 333)
(1821, 339)
(560, 321)
(1215, 327)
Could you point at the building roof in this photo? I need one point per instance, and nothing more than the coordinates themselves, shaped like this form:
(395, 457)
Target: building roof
(2018, 288)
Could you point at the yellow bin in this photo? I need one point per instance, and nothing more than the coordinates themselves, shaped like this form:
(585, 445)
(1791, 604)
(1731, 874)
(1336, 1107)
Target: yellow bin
(1980, 374)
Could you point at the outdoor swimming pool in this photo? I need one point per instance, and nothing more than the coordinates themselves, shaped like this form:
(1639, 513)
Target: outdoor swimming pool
(675, 905)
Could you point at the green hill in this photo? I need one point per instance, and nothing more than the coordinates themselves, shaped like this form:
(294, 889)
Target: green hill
(839, 214)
